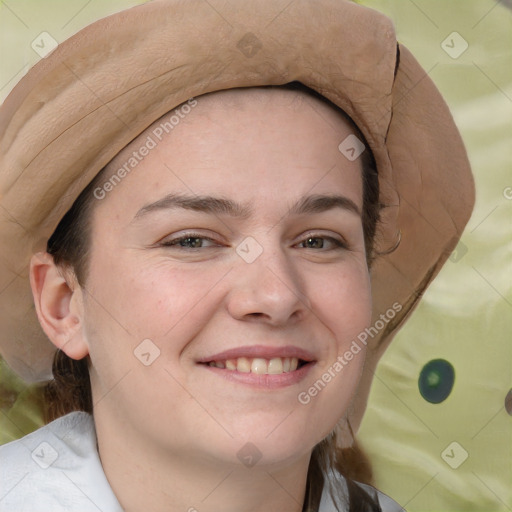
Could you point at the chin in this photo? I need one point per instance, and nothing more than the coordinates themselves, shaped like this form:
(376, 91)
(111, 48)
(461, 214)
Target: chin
(273, 442)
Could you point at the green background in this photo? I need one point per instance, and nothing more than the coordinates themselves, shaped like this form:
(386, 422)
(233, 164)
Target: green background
(466, 314)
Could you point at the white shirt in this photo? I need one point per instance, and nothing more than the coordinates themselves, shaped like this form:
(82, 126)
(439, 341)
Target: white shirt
(57, 469)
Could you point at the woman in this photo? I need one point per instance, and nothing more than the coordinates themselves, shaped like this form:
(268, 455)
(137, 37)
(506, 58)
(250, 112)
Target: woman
(226, 251)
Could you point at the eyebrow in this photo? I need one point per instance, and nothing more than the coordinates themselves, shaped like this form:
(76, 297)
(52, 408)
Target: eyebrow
(220, 206)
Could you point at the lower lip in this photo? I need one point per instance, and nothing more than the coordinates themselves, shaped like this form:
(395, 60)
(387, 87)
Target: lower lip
(263, 381)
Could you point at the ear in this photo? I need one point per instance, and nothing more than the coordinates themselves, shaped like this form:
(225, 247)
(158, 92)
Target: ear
(59, 305)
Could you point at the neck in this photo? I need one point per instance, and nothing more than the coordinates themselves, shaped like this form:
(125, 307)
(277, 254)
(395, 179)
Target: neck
(146, 477)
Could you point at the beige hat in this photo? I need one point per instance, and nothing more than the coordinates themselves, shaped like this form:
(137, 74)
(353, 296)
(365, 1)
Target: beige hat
(79, 106)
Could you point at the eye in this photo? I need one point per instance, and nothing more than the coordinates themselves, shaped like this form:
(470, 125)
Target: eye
(316, 241)
(190, 241)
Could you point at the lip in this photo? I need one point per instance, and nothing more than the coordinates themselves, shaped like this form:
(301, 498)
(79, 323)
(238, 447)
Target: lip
(260, 351)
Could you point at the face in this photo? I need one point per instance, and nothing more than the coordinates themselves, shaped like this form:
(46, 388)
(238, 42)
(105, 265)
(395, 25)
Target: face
(227, 278)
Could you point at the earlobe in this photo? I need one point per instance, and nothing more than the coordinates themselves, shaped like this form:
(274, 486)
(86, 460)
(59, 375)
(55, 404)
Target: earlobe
(58, 305)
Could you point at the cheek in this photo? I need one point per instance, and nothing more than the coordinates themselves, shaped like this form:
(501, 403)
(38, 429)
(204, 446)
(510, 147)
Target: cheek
(139, 299)
(342, 301)
(342, 304)
(130, 303)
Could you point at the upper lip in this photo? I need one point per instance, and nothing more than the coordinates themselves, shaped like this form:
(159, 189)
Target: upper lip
(260, 351)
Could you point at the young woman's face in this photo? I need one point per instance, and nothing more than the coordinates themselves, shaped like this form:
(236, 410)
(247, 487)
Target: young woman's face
(221, 247)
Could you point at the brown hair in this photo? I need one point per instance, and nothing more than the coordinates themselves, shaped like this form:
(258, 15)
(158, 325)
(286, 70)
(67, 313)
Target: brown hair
(71, 388)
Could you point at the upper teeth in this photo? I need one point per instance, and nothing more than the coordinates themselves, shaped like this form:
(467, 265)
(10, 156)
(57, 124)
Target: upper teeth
(259, 365)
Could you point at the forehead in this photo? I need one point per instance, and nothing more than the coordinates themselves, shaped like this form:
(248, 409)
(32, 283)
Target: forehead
(271, 106)
(263, 145)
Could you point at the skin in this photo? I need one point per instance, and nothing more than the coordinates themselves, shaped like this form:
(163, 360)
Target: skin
(169, 433)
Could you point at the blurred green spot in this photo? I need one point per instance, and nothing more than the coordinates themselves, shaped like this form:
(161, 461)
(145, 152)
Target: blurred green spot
(436, 381)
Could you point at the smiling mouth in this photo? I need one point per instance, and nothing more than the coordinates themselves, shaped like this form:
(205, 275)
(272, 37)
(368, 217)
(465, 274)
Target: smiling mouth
(260, 366)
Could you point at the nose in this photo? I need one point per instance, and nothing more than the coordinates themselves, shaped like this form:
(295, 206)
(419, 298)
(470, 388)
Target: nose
(268, 290)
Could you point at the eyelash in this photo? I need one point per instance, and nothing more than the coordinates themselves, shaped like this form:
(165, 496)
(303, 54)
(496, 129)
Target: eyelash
(339, 244)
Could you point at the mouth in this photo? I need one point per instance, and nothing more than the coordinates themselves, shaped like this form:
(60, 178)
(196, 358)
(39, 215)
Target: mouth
(261, 367)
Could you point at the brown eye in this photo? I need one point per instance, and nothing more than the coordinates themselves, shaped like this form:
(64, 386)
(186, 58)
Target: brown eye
(319, 242)
(315, 243)
(190, 241)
